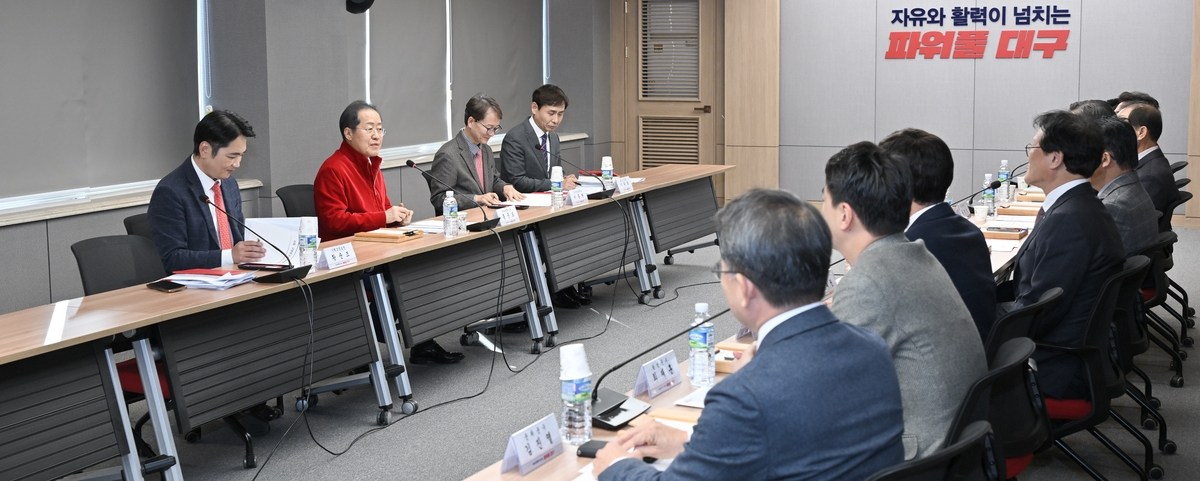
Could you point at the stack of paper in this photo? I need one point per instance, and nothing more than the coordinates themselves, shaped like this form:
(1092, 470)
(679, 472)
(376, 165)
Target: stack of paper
(533, 199)
(430, 226)
(210, 279)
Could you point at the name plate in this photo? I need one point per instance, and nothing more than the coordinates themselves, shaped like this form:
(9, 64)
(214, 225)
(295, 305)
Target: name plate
(576, 197)
(624, 185)
(507, 215)
(658, 375)
(533, 446)
(337, 256)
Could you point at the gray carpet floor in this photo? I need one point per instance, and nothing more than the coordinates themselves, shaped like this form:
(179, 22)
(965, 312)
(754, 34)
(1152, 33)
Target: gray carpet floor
(451, 438)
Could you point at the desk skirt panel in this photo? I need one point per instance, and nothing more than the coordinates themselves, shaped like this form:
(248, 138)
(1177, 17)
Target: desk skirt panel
(681, 213)
(584, 245)
(234, 357)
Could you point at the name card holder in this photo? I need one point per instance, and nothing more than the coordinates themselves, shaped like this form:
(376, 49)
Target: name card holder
(658, 375)
(533, 446)
(337, 256)
(507, 215)
(576, 197)
(624, 184)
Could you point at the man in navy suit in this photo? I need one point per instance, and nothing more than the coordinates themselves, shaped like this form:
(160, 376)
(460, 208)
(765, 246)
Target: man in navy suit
(1074, 246)
(816, 399)
(1153, 169)
(189, 232)
(956, 243)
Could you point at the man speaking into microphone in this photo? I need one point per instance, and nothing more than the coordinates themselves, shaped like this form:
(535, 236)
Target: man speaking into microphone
(799, 408)
(188, 232)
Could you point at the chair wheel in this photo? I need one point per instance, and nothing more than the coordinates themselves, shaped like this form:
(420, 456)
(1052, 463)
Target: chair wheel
(303, 403)
(464, 340)
(1154, 402)
(1168, 447)
(1149, 424)
(644, 299)
(1155, 472)
(659, 294)
(1187, 342)
(1183, 354)
(277, 413)
(1191, 311)
(409, 407)
(385, 418)
(1190, 322)
(669, 260)
(193, 436)
(1177, 381)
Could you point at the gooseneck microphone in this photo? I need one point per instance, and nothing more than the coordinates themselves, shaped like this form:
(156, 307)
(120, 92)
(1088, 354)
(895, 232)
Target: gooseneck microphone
(994, 185)
(287, 274)
(603, 194)
(476, 227)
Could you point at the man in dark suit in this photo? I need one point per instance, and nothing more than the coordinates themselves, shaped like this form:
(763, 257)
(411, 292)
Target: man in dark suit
(957, 244)
(816, 399)
(531, 148)
(189, 232)
(1153, 168)
(466, 163)
(1121, 191)
(1074, 246)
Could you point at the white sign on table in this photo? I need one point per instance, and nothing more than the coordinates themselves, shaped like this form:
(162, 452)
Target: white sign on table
(576, 196)
(624, 185)
(507, 215)
(532, 446)
(658, 374)
(337, 256)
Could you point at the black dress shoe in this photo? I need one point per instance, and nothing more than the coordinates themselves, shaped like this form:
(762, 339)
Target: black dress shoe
(574, 295)
(429, 351)
(563, 301)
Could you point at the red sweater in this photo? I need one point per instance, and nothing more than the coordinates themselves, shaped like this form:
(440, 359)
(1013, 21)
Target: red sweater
(350, 194)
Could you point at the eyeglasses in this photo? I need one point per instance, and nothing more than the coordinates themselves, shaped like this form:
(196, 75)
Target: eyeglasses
(491, 130)
(1029, 148)
(717, 271)
(368, 130)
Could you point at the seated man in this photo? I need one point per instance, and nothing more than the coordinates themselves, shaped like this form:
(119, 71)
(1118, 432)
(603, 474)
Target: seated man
(818, 399)
(956, 243)
(351, 196)
(1120, 188)
(1153, 169)
(899, 290)
(190, 232)
(531, 148)
(466, 163)
(1074, 246)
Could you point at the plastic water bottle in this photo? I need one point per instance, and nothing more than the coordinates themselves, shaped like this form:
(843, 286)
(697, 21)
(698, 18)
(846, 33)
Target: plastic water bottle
(450, 215)
(1002, 175)
(702, 362)
(576, 380)
(556, 188)
(606, 169)
(989, 196)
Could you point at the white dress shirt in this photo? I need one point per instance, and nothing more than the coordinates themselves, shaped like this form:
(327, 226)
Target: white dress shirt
(774, 322)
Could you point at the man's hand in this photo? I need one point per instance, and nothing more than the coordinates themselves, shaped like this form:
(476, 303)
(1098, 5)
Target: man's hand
(743, 358)
(248, 251)
(655, 440)
(570, 182)
(606, 455)
(489, 198)
(511, 193)
(397, 214)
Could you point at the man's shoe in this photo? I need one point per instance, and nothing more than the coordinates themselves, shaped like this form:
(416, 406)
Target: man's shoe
(574, 295)
(563, 301)
(430, 352)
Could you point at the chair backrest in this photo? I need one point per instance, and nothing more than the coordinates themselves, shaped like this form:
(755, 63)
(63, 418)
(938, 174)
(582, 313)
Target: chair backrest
(1007, 376)
(965, 459)
(1126, 330)
(116, 261)
(1178, 166)
(1017, 409)
(1019, 322)
(1156, 279)
(139, 225)
(297, 200)
(1164, 222)
(1181, 183)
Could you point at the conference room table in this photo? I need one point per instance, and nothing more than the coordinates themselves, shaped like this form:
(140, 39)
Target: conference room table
(32, 340)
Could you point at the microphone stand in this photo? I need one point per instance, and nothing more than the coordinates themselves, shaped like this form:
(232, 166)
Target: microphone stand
(476, 227)
(288, 274)
(603, 194)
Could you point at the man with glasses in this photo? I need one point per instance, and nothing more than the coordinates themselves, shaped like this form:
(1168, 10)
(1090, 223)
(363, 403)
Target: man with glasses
(531, 148)
(465, 162)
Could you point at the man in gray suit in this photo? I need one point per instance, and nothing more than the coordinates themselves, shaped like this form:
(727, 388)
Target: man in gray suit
(531, 148)
(465, 162)
(899, 290)
(1121, 189)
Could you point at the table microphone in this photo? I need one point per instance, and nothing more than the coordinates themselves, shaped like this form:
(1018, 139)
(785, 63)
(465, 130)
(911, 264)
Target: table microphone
(288, 274)
(994, 185)
(605, 412)
(476, 227)
(603, 194)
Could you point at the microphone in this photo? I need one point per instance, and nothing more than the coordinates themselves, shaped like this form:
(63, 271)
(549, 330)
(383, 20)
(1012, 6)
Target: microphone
(605, 412)
(288, 274)
(603, 194)
(994, 185)
(476, 227)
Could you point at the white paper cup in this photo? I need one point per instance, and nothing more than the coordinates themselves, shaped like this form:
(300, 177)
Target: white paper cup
(556, 174)
(572, 362)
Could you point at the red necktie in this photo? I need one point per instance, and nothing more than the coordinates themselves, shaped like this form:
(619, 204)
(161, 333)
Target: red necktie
(222, 219)
(1041, 213)
(479, 168)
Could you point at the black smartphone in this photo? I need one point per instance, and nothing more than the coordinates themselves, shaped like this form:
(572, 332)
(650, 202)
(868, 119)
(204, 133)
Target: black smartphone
(495, 206)
(255, 266)
(522, 207)
(166, 286)
(589, 449)
(1011, 230)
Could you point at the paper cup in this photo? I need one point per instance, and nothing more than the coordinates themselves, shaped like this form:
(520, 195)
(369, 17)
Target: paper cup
(308, 226)
(572, 362)
(556, 174)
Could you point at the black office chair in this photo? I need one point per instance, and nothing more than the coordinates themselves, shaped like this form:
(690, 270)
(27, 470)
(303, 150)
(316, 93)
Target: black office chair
(138, 224)
(1178, 166)
(1164, 222)
(1019, 323)
(297, 200)
(117, 261)
(962, 460)
(1129, 340)
(1154, 291)
(1181, 183)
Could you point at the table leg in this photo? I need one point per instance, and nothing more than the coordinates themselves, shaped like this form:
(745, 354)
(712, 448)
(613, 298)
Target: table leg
(129, 461)
(541, 287)
(383, 311)
(157, 406)
(646, 269)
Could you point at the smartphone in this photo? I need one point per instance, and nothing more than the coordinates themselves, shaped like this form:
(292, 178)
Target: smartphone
(522, 207)
(166, 286)
(1011, 230)
(255, 266)
(495, 206)
(589, 449)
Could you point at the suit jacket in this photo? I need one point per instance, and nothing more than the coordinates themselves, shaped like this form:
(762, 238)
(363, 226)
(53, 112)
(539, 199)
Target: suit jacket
(1076, 247)
(183, 226)
(1132, 211)
(1156, 177)
(899, 290)
(454, 165)
(819, 400)
(522, 164)
(961, 249)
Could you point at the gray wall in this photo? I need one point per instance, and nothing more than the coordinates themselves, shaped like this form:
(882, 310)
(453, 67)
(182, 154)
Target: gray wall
(580, 64)
(836, 87)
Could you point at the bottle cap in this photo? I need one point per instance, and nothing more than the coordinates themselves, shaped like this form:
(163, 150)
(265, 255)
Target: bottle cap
(556, 174)
(572, 362)
(1004, 162)
(987, 177)
(606, 163)
(450, 194)
(701, 307)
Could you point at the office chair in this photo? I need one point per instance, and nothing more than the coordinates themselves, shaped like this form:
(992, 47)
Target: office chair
(1178, 166)
(139, 224)
(965, 459)
(1154, 291)
(1129, 340)
(297, 200)
(1181, 183)
(1018, 323)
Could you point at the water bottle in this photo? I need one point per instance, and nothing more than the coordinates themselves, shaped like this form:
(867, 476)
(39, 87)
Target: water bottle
(450, 215)
(556, 189)
(606, 169)
(1002, 194)
(702, 362)
(308, 241)
(989, 196)
(576, 380)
